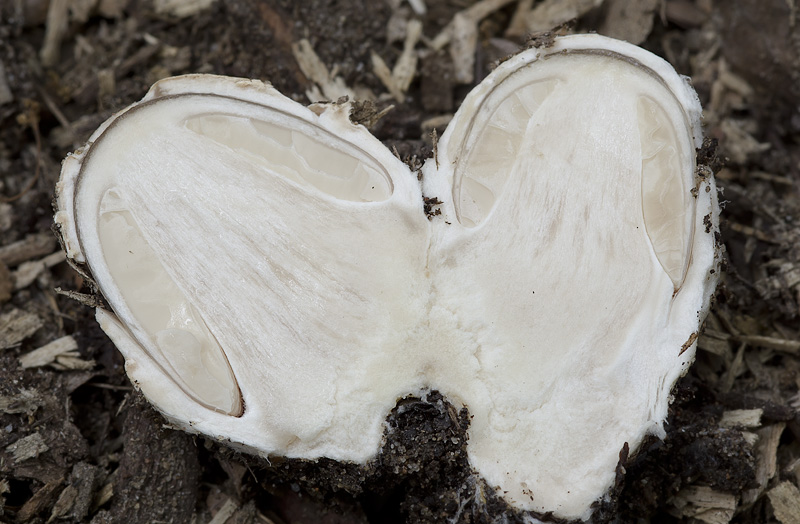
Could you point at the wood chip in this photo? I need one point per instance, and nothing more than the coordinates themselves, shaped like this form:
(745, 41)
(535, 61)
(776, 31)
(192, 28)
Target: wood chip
(396, 27)
(16, 326)
(71, 361)
(462, 47)
(112, 8)
(26, 401)
(102, 496)
(31, 247)
(40, 500)
(778, 344)
(56, 28)
(785, 499)
(766, 459)
(719, 347)
(771, 177)
(181, 8)
(630, 21)
(329, 87)
(736, 368)
(551, 13)
(743, 418)
(60, 353)
(418, 6)
(47, 354)
(741, 144)
(437, 122)
(75, 500)
(704, 504)
(64, 503)
(28, 272)
(750, 437)
(27, 448)
(712, 341)
(794, 469)
(263, 519)
(406, 67)
(384, 74)
(225, 512)
(475, 13)
(517, 27)
(685, 13)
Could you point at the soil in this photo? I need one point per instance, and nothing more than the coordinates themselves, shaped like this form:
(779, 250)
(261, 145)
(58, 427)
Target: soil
(79, 444)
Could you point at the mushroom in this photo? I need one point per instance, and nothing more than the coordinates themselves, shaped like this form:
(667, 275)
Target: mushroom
(274, 282)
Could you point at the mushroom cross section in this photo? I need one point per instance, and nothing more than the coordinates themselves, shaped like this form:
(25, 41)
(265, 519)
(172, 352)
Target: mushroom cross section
(274, 282)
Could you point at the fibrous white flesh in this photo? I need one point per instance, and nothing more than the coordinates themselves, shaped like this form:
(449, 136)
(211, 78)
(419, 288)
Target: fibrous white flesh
(275, 282)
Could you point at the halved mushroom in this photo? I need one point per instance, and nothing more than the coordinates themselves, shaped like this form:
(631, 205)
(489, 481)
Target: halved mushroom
(274, 281)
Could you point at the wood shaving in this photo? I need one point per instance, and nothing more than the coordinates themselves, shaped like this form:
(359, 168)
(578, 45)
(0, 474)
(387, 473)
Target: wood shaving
(27, 448)
(741, 145)
(436, 122)
(745, 418)
(398, 80)
(794, 470)
(112, 8)
(418, 6)
(60, 353)
(406, 67)
(473, 15)
(712, 341)
(181, 8)
(225, 512)
(462, 47)
(778, 344)
(518, 26)
(72, 361)
(40, 500)
(328, 86)
(64, 503)
(785, 499)
(551, 13)
(684, 13)
(631, 21)
(384, 74)
(32, 246)
(4, 488)
(766, 459)
(57, 25)
(396, 26)
(29, 271)
(26, 401)
(103, 495)
(750, 437)
(16, 326)
(704, 504)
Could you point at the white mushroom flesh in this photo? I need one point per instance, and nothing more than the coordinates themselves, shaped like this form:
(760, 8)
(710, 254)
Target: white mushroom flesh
(276, 284)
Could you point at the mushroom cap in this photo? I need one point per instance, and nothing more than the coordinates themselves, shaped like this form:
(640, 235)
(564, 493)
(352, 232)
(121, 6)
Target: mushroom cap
(274, 282)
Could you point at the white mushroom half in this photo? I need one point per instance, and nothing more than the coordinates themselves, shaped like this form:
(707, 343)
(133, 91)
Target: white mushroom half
(275, 283)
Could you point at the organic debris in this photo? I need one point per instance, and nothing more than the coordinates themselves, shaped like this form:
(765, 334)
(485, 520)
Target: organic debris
(81, 65)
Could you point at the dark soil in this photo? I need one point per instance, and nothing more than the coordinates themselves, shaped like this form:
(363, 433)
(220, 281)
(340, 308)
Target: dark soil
(78, 444)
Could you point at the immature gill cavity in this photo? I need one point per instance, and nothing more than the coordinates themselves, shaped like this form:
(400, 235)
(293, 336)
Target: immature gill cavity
(491, 155)
(295, 155)
(663, 193)
(162, 311)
